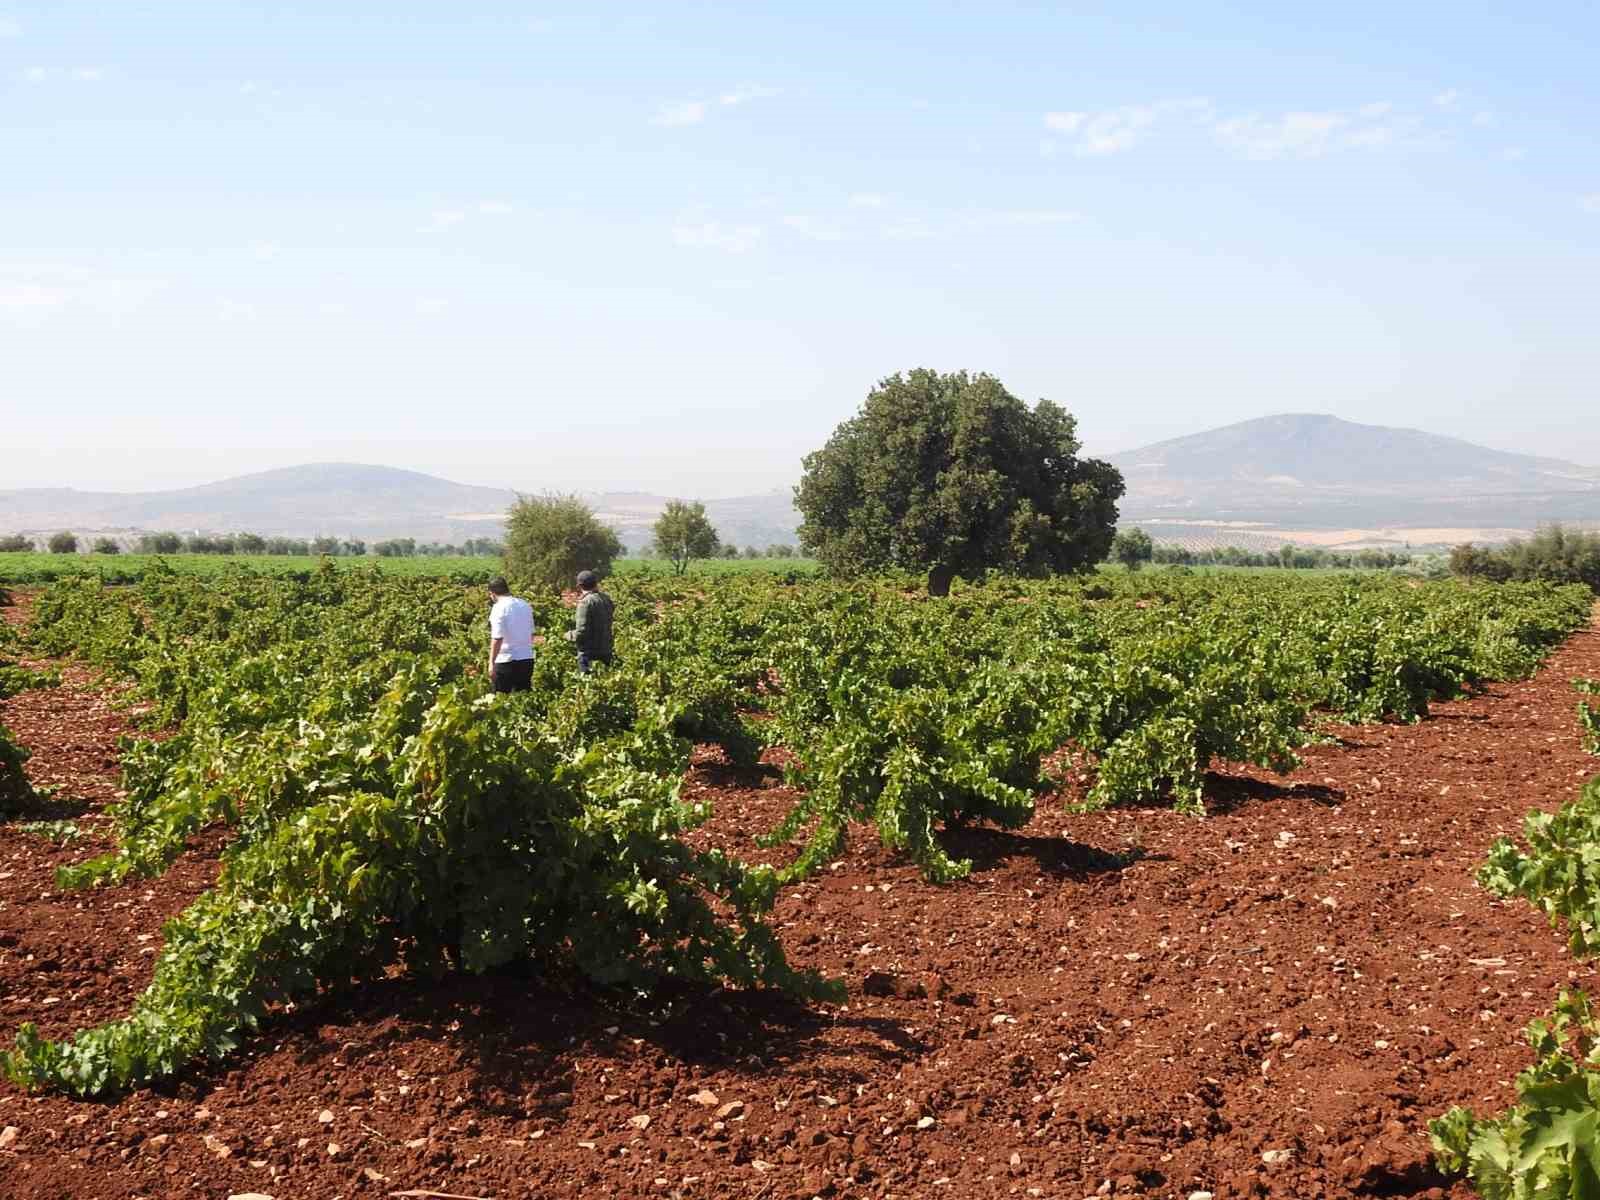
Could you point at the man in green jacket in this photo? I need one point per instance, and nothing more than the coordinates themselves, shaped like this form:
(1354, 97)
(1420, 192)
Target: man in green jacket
(591, 631)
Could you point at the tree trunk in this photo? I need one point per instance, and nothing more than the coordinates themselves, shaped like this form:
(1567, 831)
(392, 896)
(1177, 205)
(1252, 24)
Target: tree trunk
(939, 580)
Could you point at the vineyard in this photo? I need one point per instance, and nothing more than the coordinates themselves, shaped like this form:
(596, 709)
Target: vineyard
(674, 847)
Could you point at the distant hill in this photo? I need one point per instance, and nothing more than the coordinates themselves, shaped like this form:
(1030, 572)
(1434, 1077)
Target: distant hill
(1292, 477)
(355, 500)
(1310, 470)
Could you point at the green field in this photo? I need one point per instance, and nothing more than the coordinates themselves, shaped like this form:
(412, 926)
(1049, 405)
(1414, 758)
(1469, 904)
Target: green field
(33, 567)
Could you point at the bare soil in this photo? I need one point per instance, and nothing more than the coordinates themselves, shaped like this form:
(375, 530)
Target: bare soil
(1273, 1000)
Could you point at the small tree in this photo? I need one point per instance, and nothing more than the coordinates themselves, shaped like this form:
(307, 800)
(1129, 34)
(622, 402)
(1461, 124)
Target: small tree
(105, 545)
(780, 550)
(1132, 548)
(64, 542)
(729, 551)
(683, 533)
(953, 475)
(550, 538)
(250, 543)
(15, 543)
(160, 543)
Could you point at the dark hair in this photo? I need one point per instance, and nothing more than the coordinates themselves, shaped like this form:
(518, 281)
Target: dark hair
(499, 587)
(588, 580)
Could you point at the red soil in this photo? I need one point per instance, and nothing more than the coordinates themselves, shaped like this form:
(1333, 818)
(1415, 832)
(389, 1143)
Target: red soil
(1271, 1001)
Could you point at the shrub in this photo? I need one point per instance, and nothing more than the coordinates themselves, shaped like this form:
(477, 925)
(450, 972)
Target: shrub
(550, 538)
(64, 542)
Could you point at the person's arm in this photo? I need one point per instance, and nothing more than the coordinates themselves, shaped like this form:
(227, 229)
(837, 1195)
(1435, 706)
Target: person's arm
(581, 624)
(496, 635)
(494, 652)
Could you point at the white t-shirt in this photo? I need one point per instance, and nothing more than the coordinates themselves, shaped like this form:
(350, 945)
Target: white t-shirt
(511, 620)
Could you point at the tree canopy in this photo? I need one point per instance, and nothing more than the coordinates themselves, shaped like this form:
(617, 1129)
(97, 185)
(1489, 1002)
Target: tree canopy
(550, 538)
(954, 475)
(682, 532)
(1132, 548)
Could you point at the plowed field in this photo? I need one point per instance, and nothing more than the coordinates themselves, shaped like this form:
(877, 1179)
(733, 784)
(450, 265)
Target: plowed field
(1271, 1001)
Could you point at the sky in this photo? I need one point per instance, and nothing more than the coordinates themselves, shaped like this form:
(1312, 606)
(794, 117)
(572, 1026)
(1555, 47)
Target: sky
(669, 247)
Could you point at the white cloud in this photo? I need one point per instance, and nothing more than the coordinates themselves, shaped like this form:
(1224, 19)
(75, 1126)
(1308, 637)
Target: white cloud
(1026, 216)
(494, 208)
(9, 28)
(1590, 203)
(812, 228)
(30, 293)
(1115, 130)
(444, 219)
(1292, 135)
(22, 298)
(749, 91)
(76, 74)
(733, 239)
(1447, 99)
(691, 112)
(868, 200)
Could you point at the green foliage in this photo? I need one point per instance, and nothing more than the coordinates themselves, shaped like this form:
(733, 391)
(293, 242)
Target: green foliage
(105, 545)
(386, 813)
(1547, 1145)
(683, 533)
(160, 543)
(14, 543)
(1559, 872)
(953, 475)
(64, 542)
(550, 538)
(1132, 548)
(1553, 555)
(15, 790)
(59, 832)
(1589, 714)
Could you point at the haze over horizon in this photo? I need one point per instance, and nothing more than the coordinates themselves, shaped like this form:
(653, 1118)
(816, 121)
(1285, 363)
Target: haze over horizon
(668, 248)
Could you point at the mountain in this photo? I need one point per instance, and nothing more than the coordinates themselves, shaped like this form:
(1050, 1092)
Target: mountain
(1311, 470)
(354, 500)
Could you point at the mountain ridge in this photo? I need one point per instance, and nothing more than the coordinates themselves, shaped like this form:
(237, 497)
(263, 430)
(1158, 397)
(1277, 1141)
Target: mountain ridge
(1283, 473)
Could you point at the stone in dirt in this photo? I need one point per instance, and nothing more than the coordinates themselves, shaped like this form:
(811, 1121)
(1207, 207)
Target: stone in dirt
(705, 1098)
(8, 1135)
(887, 983)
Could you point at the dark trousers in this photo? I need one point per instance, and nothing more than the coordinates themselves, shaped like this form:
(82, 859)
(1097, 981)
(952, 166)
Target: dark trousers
(513, 676)
(587, 660)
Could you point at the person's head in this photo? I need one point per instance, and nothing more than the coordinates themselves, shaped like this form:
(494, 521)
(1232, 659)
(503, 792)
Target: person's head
(588, 581)
(499, 587)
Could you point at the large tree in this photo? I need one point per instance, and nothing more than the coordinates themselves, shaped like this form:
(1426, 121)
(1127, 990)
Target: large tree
(683, 532)
(954, 475)
(550, 538)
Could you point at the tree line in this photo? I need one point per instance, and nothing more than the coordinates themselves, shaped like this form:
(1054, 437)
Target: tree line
(67, 542)
(1553, 553)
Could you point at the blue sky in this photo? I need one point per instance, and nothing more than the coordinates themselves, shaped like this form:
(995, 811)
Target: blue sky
(670, 246)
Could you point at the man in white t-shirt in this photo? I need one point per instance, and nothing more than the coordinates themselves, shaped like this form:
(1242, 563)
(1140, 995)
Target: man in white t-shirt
(510, 639)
